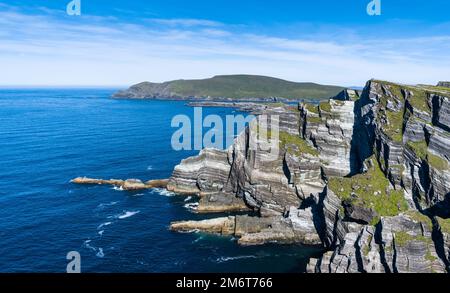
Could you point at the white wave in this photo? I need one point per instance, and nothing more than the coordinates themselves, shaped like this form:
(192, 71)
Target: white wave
(105, 205)
(164, 192)
(101, 232)
(189, 231)
(118, 188)
(188, 199)
(127, 214)
(138, 195)
(103, 225)
(149, 168)
(198, 239)
(100, 253)
(191, 206)
(232, 258)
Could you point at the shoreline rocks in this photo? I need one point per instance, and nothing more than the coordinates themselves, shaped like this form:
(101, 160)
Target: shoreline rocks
(129, 184)
(253, 231)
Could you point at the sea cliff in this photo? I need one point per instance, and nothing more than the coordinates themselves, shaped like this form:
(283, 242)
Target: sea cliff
(363, 175)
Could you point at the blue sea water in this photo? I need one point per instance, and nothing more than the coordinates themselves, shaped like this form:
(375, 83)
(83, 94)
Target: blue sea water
(50, 136)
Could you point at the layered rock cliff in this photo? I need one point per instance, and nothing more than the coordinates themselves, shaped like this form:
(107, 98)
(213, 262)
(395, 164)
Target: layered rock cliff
(365, 175)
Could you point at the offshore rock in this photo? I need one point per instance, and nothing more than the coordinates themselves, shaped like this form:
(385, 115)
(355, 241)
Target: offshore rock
(129, 184)
(223, 226)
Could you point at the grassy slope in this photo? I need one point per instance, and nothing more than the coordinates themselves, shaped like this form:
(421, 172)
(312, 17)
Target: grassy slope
(250, 86)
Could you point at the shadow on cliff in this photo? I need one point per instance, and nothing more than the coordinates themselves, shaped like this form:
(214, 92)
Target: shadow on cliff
(318, 214)
(363, 137)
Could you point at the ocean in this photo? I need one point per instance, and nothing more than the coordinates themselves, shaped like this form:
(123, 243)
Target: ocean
(50, 136)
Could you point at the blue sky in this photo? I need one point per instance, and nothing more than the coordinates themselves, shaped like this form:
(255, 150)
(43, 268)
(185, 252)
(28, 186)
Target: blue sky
(118, 43)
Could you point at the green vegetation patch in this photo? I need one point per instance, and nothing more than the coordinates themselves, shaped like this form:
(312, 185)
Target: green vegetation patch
(394, 88)
(421, 150)
(312, 108)
(325, 106)
(418, 217)
(313, 119)
(402, 238)
(249, 86)
(370, 190)
(394, 127)
(294, 144)
(419, 99)
(437, 162)
(366, 248)
(429, 256)
(444, 224)
(339, 103)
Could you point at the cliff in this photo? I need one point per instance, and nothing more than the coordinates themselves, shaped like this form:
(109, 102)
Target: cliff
(365, 175)
(444, 84)
(230, 87)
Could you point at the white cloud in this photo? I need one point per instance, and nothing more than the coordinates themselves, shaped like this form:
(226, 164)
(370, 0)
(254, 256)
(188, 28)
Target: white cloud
(186, 22)
(90, 50)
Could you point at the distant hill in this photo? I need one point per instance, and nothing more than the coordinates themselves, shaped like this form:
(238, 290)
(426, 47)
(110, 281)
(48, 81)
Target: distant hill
(232, 87)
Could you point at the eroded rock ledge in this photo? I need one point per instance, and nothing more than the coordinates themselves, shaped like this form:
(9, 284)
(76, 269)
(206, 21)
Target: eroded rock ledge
(298, 227)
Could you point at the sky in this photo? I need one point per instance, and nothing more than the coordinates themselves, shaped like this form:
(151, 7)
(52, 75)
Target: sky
(118, 43)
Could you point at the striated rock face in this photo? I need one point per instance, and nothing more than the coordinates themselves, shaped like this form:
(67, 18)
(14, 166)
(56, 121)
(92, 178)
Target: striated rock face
(408, 245)
(442, 240)
(207, 172)
(407, 127)
(356, 174)
(329, 127)
(221, 202)
(405, 246)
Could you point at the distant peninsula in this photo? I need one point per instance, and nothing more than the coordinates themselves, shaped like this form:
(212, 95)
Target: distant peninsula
(231, 87)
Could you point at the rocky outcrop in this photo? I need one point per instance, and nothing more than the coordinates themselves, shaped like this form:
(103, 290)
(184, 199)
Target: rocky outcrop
(221, 202)
(206, 173)
(298, 227)
(129, 184)
(348, 95)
